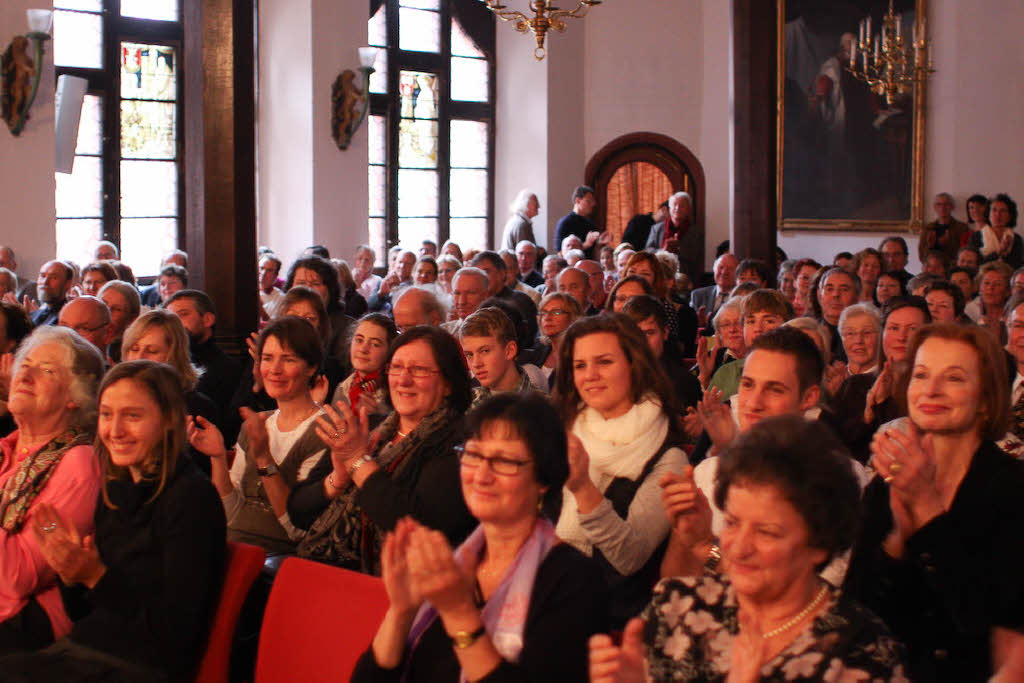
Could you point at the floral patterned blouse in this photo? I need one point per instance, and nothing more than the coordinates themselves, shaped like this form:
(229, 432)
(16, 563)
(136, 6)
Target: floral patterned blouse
(691, 622)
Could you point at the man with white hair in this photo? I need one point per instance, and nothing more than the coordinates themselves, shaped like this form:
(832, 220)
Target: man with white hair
(469, 289)
(526, 257)
(519, 227)
(711, 298)
(570, 243)
(106, 251)
(677, 235)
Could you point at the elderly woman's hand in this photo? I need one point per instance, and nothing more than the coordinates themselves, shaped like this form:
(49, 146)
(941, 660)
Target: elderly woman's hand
(204, 436)
(75, 559)
(435, 576)
(344, 431)
(625, 664)
(395, 568)
(748, 651)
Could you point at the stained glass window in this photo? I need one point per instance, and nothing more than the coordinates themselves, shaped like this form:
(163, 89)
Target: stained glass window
(429, 160)
(147, 72)
(130, 194)
(148, 130)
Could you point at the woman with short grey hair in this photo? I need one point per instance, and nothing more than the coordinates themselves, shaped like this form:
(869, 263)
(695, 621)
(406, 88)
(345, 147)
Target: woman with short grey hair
(47, 461)
(860, 327)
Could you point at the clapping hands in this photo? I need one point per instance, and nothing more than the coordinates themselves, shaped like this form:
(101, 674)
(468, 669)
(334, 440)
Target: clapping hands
(74, 558)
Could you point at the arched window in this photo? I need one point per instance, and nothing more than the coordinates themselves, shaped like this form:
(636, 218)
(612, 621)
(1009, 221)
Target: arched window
(635, 173)
(431, 123)
(127, 185)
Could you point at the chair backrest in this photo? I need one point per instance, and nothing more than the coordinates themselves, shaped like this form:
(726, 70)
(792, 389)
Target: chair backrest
(319, 620)
(244, 563)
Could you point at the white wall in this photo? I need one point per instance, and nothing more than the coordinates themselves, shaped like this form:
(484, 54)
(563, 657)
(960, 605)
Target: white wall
(285, 161)
(339, 179)
(26, 162)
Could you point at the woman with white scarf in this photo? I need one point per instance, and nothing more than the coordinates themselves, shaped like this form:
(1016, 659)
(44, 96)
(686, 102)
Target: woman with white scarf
(624, 427)
(997, 240)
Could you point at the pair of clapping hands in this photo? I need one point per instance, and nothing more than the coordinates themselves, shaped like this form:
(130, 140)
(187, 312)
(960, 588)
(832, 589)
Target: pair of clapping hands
(417, 564)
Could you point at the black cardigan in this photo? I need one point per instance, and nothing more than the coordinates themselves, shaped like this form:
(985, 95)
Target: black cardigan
(567, 606)
(165, 565)
(960, 574)
(428, 489)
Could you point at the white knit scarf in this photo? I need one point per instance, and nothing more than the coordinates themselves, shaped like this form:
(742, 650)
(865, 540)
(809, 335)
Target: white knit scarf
(619, 447)
(990, 244)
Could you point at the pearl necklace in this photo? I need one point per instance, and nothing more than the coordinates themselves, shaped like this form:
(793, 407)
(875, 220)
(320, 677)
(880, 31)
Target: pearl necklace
(799, 617)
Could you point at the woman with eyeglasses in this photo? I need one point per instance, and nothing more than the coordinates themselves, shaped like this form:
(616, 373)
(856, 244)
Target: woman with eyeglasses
(554, 314)
(623, 418)
(406, 466)
(510, 603)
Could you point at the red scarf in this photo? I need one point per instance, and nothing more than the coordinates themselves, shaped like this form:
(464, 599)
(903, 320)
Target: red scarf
(370, 383)
(672, 233)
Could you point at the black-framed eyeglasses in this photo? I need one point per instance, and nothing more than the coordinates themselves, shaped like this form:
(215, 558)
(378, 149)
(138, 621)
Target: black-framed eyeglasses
(498, 464)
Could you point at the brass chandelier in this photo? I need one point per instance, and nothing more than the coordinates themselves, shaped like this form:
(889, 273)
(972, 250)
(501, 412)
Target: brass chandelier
(546, 18)
(884, 63)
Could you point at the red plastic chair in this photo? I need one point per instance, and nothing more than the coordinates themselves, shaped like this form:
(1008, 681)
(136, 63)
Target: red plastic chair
(244, 563)
(319, 620)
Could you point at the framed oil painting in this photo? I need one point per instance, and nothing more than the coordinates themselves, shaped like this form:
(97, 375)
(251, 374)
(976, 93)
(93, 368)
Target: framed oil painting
(848, 158)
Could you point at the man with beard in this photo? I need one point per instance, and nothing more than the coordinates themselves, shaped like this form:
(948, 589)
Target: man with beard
(52, 288)
(221, 374)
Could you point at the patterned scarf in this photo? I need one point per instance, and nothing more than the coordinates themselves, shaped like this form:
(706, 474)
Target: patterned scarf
(343, 535)
(32, 474)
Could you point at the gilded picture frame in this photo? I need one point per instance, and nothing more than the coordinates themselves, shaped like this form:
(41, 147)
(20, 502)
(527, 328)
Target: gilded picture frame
(855, 167)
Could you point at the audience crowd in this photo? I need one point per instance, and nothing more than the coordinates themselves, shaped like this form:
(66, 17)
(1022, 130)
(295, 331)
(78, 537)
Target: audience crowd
(594, 463)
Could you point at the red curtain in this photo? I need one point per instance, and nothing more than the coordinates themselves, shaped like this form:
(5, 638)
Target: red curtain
(636, 187)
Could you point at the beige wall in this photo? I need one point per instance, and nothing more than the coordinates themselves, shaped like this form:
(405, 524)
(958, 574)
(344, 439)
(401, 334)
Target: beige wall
(26, 163)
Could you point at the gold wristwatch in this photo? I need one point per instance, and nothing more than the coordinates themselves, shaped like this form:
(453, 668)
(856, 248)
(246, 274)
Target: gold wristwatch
(463, 639)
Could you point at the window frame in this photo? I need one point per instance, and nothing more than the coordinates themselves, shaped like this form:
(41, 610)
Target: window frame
(105, 82)
(387, 105)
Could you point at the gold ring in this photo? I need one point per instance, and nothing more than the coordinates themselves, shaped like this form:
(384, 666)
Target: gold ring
(895, 468)
(887, 479)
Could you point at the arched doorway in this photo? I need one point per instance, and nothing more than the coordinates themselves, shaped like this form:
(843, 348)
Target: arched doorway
(635, 173)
